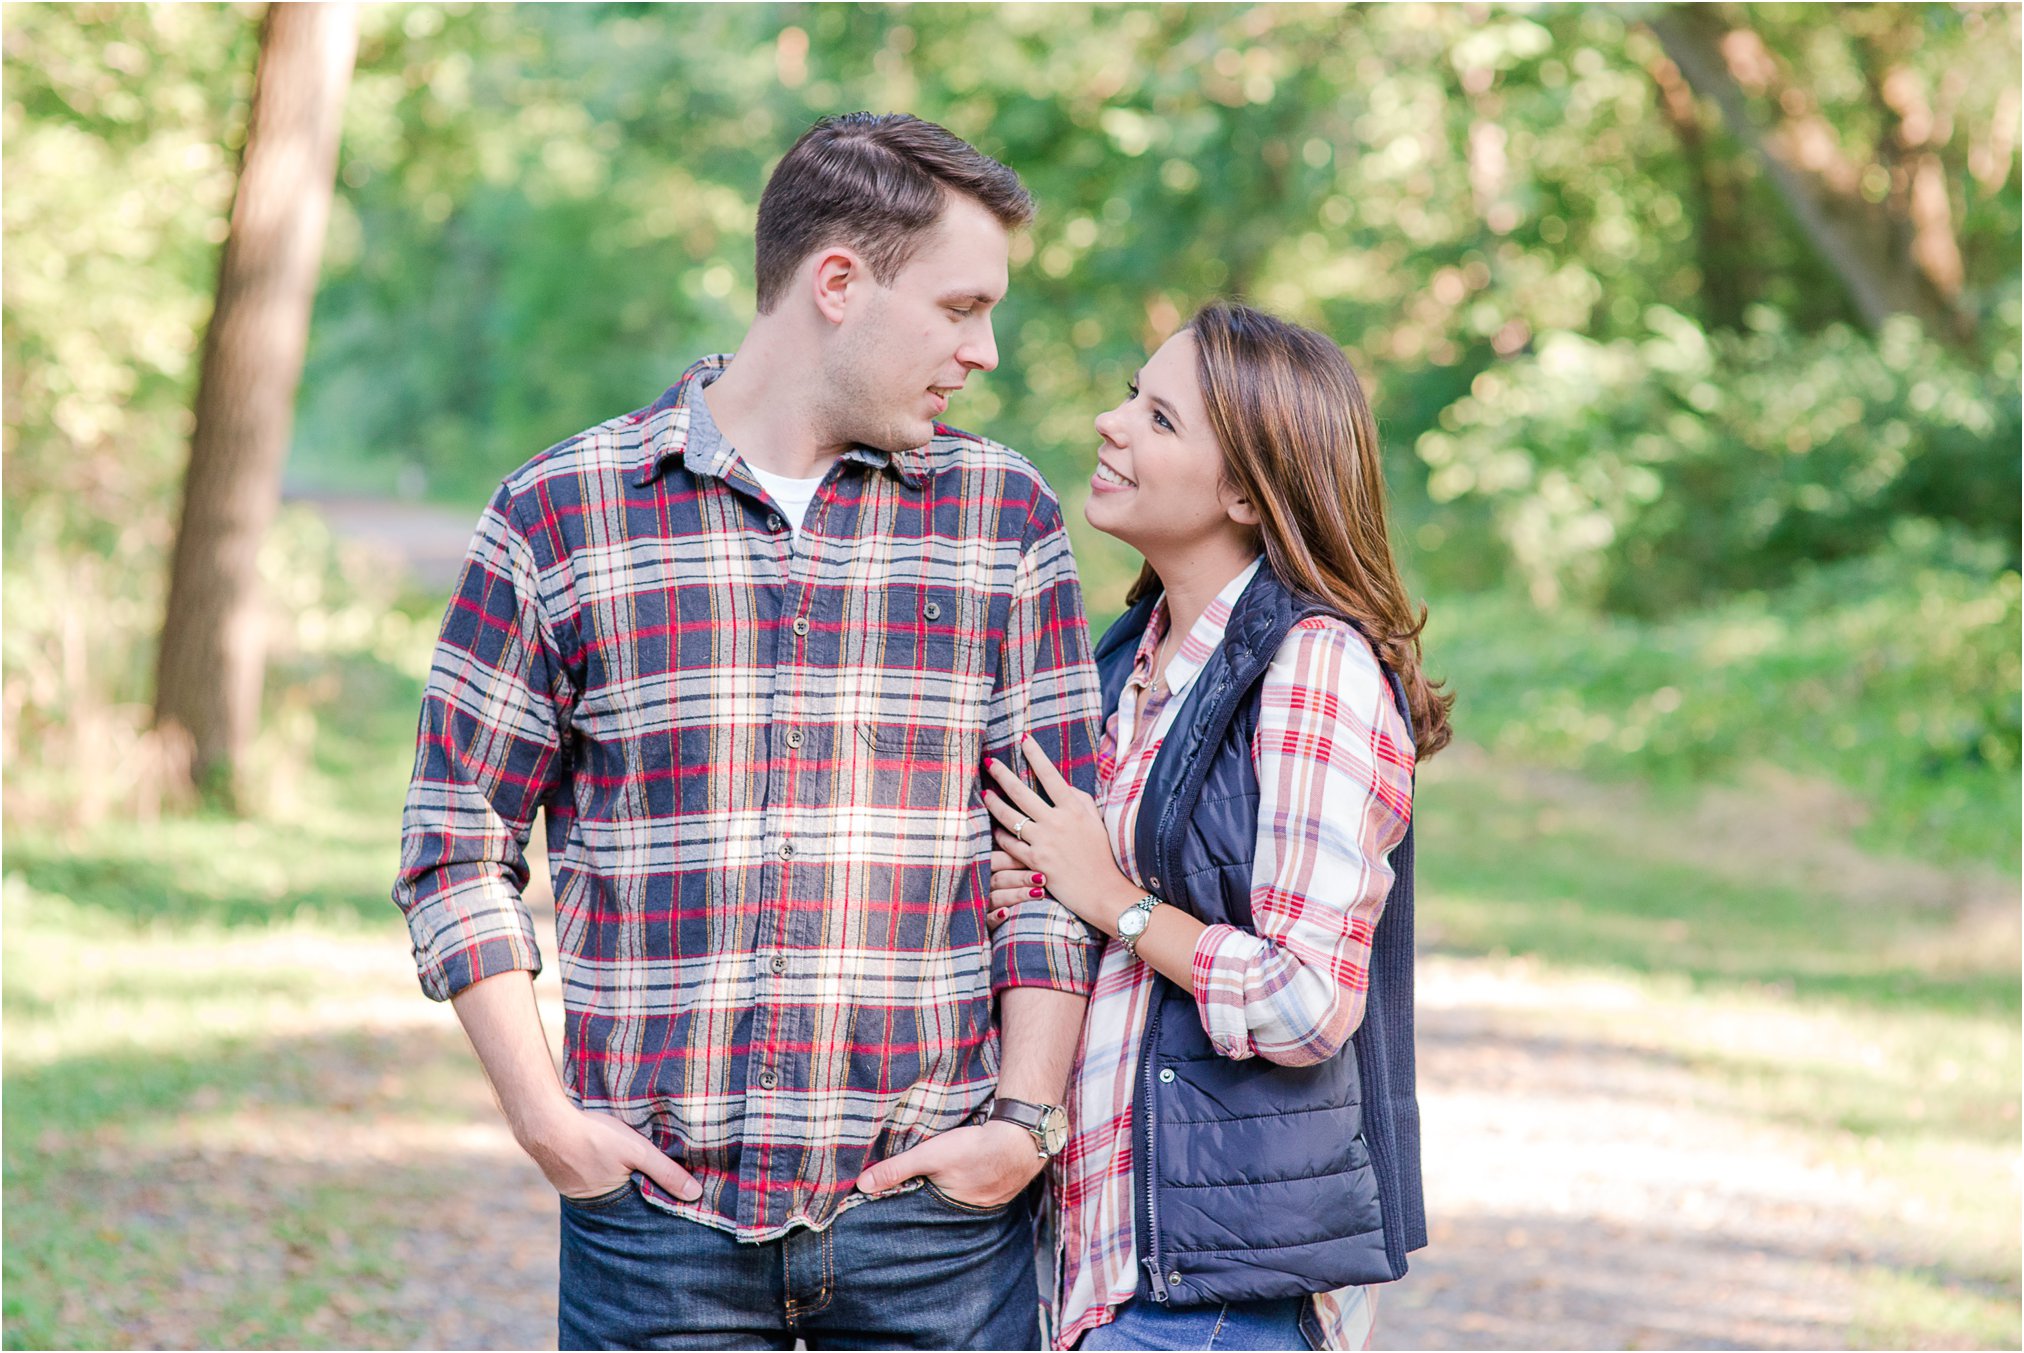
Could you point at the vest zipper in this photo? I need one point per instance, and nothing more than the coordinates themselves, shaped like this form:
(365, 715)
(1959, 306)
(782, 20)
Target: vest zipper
(1152, 1257)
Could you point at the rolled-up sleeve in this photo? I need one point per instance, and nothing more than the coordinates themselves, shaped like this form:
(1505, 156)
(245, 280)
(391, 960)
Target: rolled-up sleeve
(487, 754)
(1335, 778)
(1046, 687)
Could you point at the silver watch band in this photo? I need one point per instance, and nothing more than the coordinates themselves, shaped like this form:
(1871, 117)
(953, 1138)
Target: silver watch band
(1144, 906)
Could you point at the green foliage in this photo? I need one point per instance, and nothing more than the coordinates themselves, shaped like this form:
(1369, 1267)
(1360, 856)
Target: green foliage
(1628, 372)
(1895, 675)
(1653, 474)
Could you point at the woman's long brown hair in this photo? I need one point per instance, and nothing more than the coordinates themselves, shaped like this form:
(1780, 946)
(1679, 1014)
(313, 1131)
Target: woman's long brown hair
(1299, 443)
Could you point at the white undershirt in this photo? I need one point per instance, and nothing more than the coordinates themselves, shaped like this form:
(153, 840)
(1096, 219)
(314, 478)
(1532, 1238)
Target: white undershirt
(792, 495)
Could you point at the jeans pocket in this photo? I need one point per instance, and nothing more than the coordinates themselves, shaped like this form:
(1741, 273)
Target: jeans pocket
(598, 1202)
(969, 1209)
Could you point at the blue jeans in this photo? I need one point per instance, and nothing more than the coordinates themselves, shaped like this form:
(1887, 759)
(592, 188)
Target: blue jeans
(918, 1270)
(1232, 1325)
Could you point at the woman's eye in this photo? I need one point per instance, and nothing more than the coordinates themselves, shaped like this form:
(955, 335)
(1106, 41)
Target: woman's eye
(1132, 386)
(1160, 420)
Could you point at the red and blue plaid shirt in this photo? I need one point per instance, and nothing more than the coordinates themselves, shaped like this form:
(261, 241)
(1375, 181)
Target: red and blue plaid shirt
(760, 759)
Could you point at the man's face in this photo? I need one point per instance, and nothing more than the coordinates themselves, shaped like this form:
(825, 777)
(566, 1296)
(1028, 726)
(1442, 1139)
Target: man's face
(903, 352)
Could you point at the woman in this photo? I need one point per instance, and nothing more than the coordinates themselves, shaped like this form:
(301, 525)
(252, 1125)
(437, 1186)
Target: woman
(1244, 1162)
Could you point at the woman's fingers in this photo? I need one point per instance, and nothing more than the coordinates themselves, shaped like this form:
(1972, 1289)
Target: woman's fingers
(1022, 879)
(1016, 790)
(1051, 780)
(1003, 813)
(1013, 847)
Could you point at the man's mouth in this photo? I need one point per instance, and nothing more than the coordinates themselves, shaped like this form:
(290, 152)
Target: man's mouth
(1109, 476)
(943, 393)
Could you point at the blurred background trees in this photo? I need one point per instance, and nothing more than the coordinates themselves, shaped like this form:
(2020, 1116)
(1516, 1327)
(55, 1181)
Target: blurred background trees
(1694, 340)
(1697, 319)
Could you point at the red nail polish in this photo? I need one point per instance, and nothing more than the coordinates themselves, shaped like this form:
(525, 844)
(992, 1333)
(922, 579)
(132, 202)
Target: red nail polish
(1040, 880)
(1038, 892)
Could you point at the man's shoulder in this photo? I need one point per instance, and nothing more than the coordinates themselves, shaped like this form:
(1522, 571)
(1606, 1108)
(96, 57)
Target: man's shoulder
(977, 463)
(598, 460)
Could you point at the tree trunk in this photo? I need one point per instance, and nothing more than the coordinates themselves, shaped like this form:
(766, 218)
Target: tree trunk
(208, 676)
(1822, 187)
(1726, 282)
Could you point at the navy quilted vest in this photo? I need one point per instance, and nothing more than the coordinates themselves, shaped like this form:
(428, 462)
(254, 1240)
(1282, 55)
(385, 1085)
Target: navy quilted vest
(1256, 1180)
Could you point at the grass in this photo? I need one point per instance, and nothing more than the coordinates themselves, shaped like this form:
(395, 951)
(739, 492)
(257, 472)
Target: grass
(1616, 877)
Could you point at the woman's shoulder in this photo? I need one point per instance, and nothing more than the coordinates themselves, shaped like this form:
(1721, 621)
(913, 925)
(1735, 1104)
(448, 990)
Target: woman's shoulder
(1332, 638)
(1328, 654)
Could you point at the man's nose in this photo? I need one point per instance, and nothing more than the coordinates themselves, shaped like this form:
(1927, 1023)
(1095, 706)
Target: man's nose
(980, 354)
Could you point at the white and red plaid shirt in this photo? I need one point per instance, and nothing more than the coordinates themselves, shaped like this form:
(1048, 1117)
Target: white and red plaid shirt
(760, 756)
(1335, 771)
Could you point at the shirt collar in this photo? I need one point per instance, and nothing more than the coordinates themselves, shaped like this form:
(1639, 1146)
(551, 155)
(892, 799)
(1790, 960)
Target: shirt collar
(679, 425)
(1202, 638)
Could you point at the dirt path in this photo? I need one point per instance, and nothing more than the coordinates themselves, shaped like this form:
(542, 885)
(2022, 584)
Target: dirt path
(1582, 1193)
(424, 540)
(1578, 1199)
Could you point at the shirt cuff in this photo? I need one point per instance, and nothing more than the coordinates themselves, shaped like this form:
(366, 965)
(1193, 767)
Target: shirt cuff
(1044, 946)
(1221, 966)
(470, 932)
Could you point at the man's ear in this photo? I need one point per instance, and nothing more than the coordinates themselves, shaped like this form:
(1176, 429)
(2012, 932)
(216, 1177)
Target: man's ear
(832, 275)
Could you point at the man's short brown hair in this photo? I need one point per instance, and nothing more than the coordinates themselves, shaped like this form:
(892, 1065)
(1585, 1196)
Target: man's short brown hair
(876, 183)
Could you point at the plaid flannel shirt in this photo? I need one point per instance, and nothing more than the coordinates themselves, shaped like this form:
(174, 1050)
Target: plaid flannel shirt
(760, 760)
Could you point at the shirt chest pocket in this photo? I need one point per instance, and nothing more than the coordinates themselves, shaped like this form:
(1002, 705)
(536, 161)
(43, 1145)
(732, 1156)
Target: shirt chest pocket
(932, 683)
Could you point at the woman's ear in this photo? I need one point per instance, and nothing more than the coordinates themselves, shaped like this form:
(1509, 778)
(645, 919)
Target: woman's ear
(1240, 511)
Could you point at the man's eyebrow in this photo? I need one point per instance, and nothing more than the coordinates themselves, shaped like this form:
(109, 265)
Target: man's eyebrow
(972, 297)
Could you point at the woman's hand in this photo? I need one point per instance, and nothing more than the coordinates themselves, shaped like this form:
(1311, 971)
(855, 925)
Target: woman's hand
(1060, 847)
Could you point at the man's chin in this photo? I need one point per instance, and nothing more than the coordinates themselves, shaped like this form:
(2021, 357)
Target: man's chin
(899, 436)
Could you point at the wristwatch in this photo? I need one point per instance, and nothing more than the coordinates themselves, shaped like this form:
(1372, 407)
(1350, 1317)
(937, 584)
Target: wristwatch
(1133, 923)
(1047, 1122)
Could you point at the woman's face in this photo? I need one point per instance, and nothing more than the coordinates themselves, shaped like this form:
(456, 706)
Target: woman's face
(1158, 484)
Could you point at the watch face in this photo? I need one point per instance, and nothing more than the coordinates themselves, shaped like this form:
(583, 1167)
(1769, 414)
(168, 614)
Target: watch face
(1132, 922)
(1054, 1130)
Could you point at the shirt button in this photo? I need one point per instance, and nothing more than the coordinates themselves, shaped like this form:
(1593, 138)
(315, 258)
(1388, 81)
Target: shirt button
(786, 850)
(775, 522)
(1166, 1075)
(932, 610)
(767, 1080)
(794, 737)
(801, 625)
(780, 963)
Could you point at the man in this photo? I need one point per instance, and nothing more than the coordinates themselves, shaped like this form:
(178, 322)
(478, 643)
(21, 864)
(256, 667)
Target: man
(750, 648)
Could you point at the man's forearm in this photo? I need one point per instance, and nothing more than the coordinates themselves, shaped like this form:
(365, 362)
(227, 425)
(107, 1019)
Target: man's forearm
(504, 1026)
(1038, 1028)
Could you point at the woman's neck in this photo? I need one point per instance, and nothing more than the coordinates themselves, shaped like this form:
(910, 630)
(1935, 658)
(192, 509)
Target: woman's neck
(1193, 580)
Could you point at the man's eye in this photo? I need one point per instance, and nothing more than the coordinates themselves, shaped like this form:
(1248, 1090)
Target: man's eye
(962, 311)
